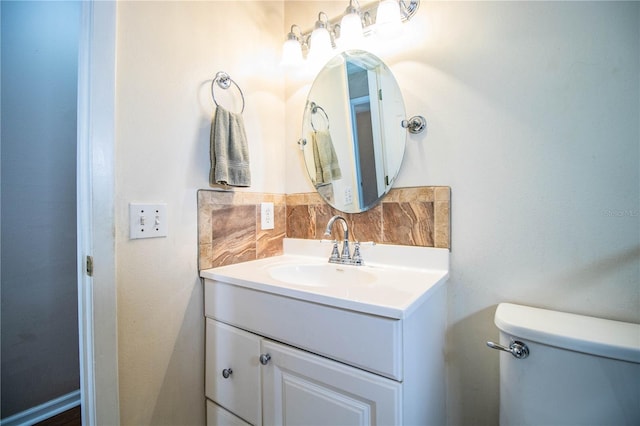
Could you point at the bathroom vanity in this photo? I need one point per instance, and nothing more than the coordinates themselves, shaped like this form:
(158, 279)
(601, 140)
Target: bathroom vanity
(295, 340)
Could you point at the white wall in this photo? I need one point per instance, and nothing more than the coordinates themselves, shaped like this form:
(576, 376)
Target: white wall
(167, 54)
(533, 112)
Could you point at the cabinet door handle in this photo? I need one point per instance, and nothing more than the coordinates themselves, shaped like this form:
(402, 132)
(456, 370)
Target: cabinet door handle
(226, 373)
(264, 359)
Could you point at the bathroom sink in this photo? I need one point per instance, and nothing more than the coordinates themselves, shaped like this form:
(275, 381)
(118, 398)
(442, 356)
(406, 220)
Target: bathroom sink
(321, 275)
(393, 281)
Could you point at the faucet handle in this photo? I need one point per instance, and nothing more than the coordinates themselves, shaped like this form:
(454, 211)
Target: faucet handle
(335, 254)
(357, 257)
(346, 255)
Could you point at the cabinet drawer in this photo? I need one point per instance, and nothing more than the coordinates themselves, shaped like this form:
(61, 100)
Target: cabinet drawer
(228, 348)
(218, 416)
(370, 342)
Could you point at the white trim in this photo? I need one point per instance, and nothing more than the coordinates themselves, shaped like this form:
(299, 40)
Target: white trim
(96, 218)
(84, 214)
(43, 411)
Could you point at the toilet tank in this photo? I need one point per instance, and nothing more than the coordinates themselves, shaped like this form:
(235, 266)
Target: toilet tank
(580, 370)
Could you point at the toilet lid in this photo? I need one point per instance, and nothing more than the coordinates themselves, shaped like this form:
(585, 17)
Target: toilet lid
(596, 336)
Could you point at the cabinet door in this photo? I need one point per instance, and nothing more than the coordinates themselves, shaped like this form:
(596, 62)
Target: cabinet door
(300, 388)
(229, 348)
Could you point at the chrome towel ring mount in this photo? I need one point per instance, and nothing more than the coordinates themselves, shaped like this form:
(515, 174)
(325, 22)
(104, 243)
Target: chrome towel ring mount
(224, 81)
(317, 109)
(414, 125)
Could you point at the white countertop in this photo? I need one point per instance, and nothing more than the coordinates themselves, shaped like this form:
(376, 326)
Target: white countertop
(399, 278)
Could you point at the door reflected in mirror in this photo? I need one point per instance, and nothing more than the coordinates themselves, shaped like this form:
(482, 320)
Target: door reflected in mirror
(353, 133)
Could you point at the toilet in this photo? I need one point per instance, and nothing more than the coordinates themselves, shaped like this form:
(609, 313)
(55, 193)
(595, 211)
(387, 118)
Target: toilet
(579, 370)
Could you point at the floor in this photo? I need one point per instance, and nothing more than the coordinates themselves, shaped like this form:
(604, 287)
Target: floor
(70, 417)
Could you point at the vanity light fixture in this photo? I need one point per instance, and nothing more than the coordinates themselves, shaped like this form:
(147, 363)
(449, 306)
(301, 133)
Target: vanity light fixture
(349, 29)
(292, 49)
(388, 19)
(320, 43)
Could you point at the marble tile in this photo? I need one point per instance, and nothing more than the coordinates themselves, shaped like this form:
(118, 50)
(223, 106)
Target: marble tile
(295, 199)
(301, 222)
(229, 222)
(373, 225)
(324, 213)
(254, 198)
(220, 197)
(367, 226)
(315, 198)
(234, 234)
(408, 223)
(443, 193)
(442, 221)
(269, 241)
(276, 198)
(205, 237)
(204, 224)
(423, 193)
(205, 256)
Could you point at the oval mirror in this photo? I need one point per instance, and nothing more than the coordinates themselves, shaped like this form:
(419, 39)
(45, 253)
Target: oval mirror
(352, 133)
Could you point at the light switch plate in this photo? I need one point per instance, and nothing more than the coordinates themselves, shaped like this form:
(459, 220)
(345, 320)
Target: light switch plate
(266, 216)
(147, 220)
(348, 195)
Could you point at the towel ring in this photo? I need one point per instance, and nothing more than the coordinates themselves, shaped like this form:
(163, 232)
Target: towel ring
(314, 110)
(223, 80)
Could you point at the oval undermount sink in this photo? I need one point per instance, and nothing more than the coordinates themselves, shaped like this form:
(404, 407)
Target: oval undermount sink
(320, 275)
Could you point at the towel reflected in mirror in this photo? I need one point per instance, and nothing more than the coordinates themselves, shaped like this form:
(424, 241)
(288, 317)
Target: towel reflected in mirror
(325, 158)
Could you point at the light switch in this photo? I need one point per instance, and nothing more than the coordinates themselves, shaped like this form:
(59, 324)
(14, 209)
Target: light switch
(147, 220)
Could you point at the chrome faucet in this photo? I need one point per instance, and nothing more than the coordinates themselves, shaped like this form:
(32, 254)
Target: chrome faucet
(343, 257)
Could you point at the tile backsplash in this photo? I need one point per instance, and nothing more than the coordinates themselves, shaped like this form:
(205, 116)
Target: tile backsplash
(229, 222)
(229, 227)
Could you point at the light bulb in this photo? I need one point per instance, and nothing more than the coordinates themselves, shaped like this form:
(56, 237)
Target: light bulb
(291, 53)
(351, 35)
(388, 19)
(320, 48)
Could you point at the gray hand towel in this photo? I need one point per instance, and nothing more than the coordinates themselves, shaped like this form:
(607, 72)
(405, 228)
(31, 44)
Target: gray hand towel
(325, 158)
(229, 150)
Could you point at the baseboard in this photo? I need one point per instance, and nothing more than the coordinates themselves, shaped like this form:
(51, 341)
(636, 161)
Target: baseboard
(43, 411)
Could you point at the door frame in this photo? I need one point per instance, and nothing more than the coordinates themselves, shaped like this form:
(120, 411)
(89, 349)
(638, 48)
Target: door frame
(97, 321)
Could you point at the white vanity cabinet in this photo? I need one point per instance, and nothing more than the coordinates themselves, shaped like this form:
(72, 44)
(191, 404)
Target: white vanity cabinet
(293, 387)
(326, 365)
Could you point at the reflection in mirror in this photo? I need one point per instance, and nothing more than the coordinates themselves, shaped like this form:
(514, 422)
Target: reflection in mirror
(353, 133)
